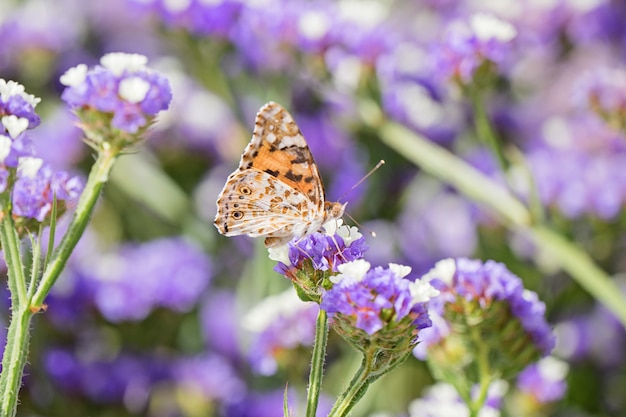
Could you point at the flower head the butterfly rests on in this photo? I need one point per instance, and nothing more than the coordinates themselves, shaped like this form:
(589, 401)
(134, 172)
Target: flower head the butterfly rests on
(276, 192)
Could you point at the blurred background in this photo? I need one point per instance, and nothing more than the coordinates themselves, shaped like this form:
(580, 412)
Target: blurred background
(158, 315)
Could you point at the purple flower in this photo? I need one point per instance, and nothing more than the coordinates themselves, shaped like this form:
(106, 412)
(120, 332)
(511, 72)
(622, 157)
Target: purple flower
(488, 290)
(279, 323)
(17, 148)
(170, 273)
(199, 17)
(580, 180)
(467, 47)
(38, 31)
(372, 299)
(36, 187)
(411, 95)
(126, 377)
(593, 23)
(324, 252)
(545, 381)
(412, 103)
(269, 35)
(121, 86)
(17, 109)
(209, 375)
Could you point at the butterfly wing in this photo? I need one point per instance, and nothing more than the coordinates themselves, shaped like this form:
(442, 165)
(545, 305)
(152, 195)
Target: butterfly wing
(255, 203)
(279, 149)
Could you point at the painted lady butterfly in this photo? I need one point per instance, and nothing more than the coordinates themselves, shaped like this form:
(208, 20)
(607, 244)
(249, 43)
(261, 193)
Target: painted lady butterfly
(277, 191)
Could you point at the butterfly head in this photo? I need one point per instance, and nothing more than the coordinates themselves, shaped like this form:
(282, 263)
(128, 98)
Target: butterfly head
(333, 210)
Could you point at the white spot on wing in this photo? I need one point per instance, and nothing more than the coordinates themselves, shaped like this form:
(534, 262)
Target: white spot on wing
(292, 141)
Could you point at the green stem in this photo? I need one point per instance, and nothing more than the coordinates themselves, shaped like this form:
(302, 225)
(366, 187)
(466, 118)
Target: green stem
(444, 165)
(317, 363)
(36, 263)
(484, 372)
(14, 357)
(97, 178)
(13, 258)
(483, 126)
(477, 186)
(355, 390)
(14, 360)
(581, 267)
(51, 232)
(16, 349)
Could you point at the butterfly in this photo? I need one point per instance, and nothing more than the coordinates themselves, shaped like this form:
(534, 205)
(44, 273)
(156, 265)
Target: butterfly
(276, 191)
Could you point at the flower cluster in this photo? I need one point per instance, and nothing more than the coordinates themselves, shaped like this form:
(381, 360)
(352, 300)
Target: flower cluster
(262, 30)
(599, 189)
(199, 17)
(130, 283)
(17, 114)
(105, 380)
(483, 299)
(308, 261)
(576, 167)
(121, 93)
(470, 48)
(34, 185)
(37, 186)
(130, 378)
(377, 301)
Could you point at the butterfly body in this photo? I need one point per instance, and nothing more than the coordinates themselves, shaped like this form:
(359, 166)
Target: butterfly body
(276, 191)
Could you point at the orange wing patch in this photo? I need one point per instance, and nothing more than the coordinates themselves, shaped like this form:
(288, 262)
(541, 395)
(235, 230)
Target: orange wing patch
(279, 149)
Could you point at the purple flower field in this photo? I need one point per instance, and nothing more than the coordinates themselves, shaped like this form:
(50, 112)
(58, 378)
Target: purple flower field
(494, 236)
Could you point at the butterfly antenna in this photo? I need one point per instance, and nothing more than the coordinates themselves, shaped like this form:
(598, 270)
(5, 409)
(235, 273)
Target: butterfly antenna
(366, 176)
(371, 232)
